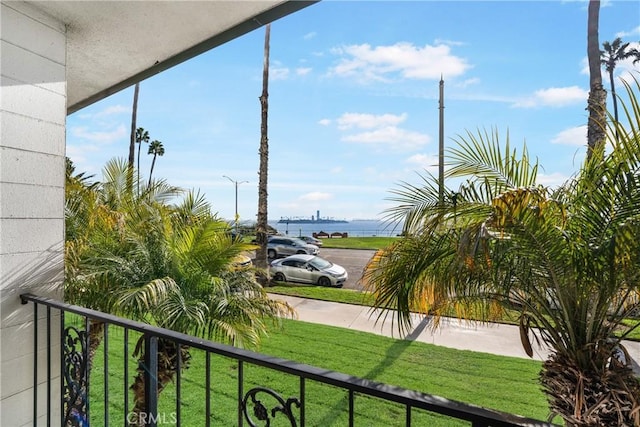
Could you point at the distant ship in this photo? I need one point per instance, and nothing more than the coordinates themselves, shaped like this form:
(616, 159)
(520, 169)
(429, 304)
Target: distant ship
(313, 220)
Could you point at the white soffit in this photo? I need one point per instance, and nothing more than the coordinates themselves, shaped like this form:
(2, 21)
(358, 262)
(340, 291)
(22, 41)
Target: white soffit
(114, 44)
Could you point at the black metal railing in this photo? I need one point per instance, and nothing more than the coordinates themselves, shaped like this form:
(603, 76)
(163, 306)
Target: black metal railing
(98, 401)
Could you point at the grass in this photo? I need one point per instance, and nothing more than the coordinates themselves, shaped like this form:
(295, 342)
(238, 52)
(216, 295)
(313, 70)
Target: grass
(348, 242)
(358, 242)
(502, 383)
(347, 296)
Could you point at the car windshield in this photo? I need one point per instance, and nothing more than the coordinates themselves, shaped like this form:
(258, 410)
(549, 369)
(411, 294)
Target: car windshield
(299, 242)
(320, 263)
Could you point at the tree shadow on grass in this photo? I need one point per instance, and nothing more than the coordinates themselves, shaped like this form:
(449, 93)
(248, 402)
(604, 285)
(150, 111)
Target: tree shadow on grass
(393, 352)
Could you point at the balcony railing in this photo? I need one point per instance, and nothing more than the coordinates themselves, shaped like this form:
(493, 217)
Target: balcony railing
(104, 398)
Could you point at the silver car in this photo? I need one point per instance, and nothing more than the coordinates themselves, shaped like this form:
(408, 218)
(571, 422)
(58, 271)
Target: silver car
(308, 269)
(311, 240)
(278, 247)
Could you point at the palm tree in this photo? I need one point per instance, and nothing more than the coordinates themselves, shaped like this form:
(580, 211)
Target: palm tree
(95, 218)
(167, 264)
(261, 221)
(155, 148)
(610, 55)
(597, 102)
(567, 259)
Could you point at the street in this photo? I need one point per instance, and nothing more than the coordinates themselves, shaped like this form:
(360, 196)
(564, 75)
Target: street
(353, 260)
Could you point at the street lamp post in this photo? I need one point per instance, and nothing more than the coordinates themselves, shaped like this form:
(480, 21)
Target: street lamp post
(235, 183)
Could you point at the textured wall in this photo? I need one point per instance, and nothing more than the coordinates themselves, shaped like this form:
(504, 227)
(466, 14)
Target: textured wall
(32, 167)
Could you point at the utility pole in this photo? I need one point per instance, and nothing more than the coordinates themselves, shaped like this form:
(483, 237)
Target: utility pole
(441, 147)
(236, 183)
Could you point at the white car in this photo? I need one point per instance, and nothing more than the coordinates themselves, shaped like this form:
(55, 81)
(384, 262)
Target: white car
(309, 269)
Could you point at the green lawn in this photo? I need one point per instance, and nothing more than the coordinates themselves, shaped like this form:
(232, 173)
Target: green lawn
(347, 296)
(348, 243)
(503, 383)
(358, 242)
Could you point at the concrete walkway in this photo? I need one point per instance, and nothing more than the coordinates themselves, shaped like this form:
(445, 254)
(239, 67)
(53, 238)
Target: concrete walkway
(493, 338)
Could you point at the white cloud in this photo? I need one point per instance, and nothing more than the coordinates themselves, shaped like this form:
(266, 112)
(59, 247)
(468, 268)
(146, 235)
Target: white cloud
(552, 180)
(382, 130)
(303, 71)
(279, 73)
(324, 122)
(107, 137)
(466, 83)
(390, 136)
(424, 161)
(114, 109)
(634, 32)
(79, 154)
(316, 196)
(562, 95)
(336, 170)
(554, 97)
(310, 35)
(110, 110)
(369, 121)
(448, 42)
(576, 136)
(401, 60)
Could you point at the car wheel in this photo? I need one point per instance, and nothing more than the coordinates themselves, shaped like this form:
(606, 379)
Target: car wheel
(271, 254)
(279, 277)
(324, 281)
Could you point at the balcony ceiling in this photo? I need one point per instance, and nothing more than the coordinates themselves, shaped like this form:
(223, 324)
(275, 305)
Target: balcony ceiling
(114, 44)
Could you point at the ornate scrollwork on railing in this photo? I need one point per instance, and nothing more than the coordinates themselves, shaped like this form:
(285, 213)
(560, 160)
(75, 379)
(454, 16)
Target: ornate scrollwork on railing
(261, 412)
(75, 377)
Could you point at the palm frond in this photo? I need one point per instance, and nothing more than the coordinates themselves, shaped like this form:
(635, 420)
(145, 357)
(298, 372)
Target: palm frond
(139, 301)
(482, 156)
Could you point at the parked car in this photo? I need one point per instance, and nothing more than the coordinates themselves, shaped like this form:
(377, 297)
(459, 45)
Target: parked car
(278, 247)
(311, 240)
(241, 262)
(311, 269)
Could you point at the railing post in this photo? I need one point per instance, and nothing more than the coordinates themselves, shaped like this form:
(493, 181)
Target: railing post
(151, 379)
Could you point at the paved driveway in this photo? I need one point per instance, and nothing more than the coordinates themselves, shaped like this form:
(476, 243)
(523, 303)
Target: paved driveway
(354, 260)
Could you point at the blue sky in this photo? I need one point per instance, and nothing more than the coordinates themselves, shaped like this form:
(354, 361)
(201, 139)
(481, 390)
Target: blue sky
(353, 101)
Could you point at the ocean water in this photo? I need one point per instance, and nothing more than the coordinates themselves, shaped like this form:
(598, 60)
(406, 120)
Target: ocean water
(356, 228)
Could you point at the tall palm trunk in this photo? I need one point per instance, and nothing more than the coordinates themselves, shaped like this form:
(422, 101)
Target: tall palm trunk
(597, 102)
(134, 117)
(153, 163)
(138, 166)
(261, 225)
(613, 95)
(132, 140)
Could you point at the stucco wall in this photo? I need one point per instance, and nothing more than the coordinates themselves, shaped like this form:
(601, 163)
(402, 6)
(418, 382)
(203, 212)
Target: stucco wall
(32, 168)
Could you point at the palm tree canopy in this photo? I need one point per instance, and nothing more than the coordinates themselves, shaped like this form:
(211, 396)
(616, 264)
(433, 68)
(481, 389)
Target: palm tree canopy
(142, 135)
(567, 258)
(171, 264)
(156, 148)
